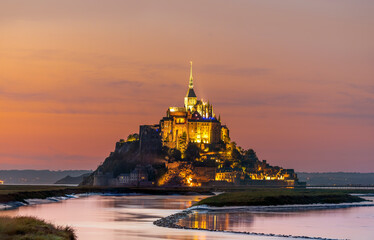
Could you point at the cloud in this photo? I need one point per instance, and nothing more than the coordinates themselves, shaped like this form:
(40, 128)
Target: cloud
(171, 85)
(366, 88)
(164, 66)
(234, 71)
(42, 161)
(52, 157)
(118, 83)
(19, 96)
(265, 99)
(340, 115)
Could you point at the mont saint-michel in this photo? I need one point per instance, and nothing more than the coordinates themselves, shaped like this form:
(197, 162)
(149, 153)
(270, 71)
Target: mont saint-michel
(188, 147)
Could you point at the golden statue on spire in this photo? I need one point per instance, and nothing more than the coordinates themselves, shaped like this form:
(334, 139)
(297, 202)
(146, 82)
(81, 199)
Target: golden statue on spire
(191, 78)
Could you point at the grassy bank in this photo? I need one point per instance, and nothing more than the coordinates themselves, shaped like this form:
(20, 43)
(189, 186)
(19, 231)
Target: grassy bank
(267, 197)
(22, 228)
(239, 195)
(19, 193)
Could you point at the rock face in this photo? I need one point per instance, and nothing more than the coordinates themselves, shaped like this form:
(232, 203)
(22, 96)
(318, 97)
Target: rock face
(222, 164)
(161, 166)
(124, 159)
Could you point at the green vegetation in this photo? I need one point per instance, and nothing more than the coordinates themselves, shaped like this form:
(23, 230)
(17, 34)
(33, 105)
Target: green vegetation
(267, 197)
(192, 152)
(29, 228)
(133, 137)
(12, 193)
(234, 196)
(7, 189)
(173, 153)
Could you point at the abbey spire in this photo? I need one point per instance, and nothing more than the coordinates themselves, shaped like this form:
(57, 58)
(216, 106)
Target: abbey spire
(191, 77)
(190, 100)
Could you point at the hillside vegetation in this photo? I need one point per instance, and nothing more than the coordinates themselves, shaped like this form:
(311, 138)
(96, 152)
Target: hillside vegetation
(29, 228)
(267, 197)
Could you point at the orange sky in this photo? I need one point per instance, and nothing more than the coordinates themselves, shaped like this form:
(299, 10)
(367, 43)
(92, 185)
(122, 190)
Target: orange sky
(292, 79)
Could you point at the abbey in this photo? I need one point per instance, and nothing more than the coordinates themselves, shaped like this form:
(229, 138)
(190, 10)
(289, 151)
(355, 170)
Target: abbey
(188, 147)
(195, 122)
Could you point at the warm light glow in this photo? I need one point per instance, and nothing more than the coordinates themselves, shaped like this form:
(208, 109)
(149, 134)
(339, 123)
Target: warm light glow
(75, 77)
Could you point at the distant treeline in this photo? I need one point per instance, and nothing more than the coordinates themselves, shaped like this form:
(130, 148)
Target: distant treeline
(337, 179)
(37, 176)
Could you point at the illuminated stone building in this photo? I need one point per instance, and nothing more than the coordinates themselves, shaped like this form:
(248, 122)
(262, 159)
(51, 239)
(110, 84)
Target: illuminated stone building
(218, 162)
(226, 175)
(195, 122)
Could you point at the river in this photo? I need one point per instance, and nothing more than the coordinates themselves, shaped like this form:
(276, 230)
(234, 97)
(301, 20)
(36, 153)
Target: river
(130, 217)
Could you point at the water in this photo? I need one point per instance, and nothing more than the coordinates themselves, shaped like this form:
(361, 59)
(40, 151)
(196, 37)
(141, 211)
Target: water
(131, 217)
(121, 217)
(344, 223)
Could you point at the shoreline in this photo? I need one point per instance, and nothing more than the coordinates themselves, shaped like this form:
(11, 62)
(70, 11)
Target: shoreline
(171, 221)
(283, 208)
(28, 198)
(12, 196)
(38, 201)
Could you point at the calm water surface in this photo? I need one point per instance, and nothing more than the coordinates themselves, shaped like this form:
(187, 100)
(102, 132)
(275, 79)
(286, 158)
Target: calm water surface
(131, 217)
(345, 223)
(121, 217)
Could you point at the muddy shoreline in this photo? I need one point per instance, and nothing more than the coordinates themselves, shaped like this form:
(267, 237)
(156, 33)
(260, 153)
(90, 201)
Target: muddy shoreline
(172, 222)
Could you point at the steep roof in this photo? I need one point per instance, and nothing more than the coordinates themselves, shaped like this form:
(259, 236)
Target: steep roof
(190, 93)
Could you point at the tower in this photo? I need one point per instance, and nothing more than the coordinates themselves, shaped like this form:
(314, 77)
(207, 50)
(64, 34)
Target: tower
(190, 99)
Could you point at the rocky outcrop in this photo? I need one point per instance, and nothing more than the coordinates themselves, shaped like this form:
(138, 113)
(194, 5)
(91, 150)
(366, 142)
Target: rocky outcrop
(72, 180)
(125, 157)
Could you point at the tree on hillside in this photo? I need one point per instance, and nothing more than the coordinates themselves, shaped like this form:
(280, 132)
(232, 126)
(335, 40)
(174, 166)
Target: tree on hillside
(182, 142)
(175, 154)
(250, 155)
(192, 152)
(133, 137)
(236, 154)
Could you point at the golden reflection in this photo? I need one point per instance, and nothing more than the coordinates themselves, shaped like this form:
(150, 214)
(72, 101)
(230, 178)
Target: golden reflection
(218, 221)
(215, 222)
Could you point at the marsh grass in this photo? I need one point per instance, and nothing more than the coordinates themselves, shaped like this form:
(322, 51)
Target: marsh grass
(30, 228)
(267, 197)
(19, 193)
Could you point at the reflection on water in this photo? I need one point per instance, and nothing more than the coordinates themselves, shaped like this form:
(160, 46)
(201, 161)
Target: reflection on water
(122, 217)
(157, 202)
(219, 221)
(346, 223)
(131, 217)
